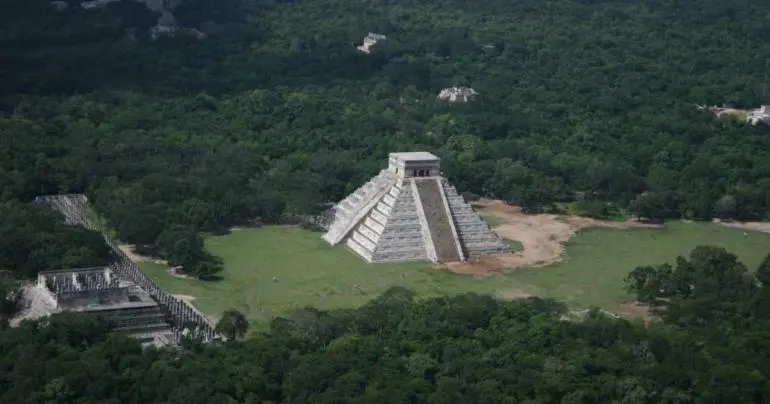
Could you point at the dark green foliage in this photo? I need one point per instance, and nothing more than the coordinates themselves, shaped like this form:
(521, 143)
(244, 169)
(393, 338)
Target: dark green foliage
(183, 247)
(267, 119)
(763, 272)
(462, 349)
(9, 296)
(35, 238)
(693, 291)
(232, 324)
(275, 113)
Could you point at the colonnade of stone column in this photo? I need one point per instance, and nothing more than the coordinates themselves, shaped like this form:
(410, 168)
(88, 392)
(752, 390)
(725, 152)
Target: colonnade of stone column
(75, 210)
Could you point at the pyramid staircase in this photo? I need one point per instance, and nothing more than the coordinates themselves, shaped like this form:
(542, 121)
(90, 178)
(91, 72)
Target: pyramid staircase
(395, 217)
(476, 237)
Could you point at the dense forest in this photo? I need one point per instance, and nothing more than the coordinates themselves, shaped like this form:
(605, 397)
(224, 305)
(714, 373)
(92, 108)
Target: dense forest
(275, 111)
(710, 347)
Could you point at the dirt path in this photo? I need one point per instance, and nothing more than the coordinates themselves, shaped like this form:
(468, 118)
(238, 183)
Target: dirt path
(186, 298)
(753, 226)
(136, 257)
(542, 235)
(633, 310)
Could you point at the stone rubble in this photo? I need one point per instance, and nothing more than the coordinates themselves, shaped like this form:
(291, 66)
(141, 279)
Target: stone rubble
(369, 41)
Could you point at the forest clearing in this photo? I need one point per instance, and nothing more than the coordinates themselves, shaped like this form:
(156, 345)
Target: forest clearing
(163, 165)
(274, 270)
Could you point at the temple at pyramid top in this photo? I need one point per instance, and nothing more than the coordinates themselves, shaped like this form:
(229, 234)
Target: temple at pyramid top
(409, 211)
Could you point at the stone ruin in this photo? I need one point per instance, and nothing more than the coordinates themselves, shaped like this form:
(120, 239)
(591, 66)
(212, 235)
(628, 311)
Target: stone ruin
(177, 312)
(369, 41)
(59, 5)
(455, 94)
(409, 211)
(166, 24)
(98, 291)
(751, 116)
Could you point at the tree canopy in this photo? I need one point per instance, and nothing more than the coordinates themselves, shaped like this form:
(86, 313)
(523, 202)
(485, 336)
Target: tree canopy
(395, 349)
(275, 111)
(34, 238)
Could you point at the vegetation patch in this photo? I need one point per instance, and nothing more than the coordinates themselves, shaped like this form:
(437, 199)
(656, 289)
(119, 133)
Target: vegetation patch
(514, 244)
(275, 270)
(492, 220)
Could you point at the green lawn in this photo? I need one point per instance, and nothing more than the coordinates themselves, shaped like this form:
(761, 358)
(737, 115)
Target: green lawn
(599, 259)
(492, 220)
(308, 272)
(514, 244)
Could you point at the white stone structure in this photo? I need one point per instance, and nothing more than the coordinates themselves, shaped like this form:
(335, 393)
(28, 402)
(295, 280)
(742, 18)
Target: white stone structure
(99, 291)
(152, 5)
(410, 212)
(455, 94)
(752, 116)
(59, 5)
(90, 5)
(762, 114)
(369, 41)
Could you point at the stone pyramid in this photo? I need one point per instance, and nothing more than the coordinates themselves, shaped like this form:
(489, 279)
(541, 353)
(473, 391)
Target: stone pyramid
(410, 212)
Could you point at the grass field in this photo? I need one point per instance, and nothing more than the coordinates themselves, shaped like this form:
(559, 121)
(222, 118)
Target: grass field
(492, 220)
(308, 272)
(514, 244)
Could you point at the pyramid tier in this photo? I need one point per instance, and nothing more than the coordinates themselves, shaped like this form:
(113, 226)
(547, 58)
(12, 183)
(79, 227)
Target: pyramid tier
(402, 219)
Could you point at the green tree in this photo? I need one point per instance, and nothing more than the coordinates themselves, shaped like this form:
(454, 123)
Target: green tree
(232, 324)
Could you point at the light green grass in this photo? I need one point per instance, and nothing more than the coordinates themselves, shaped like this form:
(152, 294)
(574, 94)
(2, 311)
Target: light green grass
(514, 244)
(492, 220)
(100, 221)
(598, 259)
(311, 273)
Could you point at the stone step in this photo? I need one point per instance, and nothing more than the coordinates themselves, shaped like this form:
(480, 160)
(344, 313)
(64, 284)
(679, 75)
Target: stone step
(403, 256)
(387, 244)
(369, 234)
(360, 250)
(437, 220)
(408, 232)
(397, 250)
(363, 241)
(485, 244)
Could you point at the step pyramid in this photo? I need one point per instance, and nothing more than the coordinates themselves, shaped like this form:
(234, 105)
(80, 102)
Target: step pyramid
(410, 212)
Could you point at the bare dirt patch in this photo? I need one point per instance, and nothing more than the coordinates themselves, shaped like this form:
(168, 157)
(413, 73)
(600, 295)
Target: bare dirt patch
(542, 235)
(185, 298)
(177, 273)
(512, 294)
(634, 310)
(753, 226)
(130, 251)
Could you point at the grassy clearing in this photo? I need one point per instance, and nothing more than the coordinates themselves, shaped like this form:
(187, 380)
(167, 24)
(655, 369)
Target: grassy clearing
(310, 273)
(595, 209)
(515, 245)
(307, 272)
(599, 259)
(492, 220)
(737, 115)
